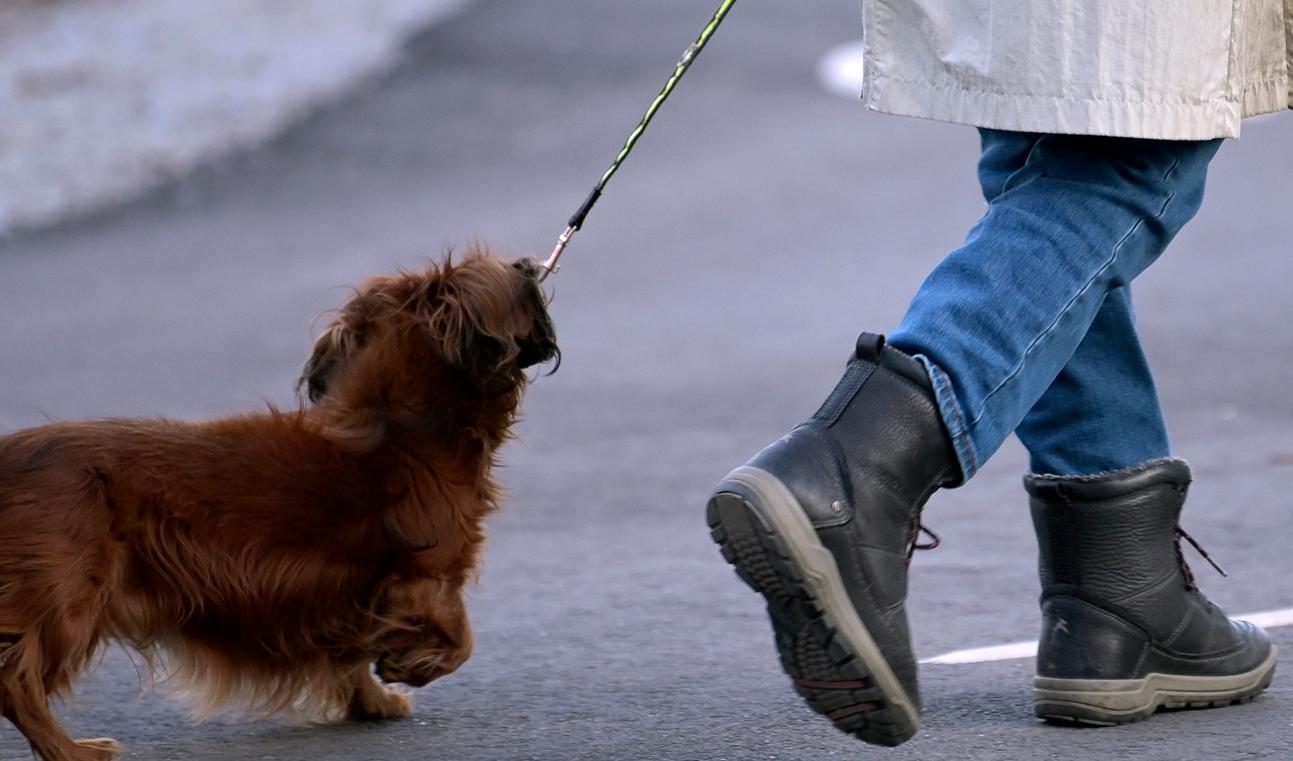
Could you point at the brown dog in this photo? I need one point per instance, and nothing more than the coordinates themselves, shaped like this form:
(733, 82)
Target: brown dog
(272, 559)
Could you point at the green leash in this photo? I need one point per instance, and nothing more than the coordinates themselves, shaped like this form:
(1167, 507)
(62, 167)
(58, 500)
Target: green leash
(577, 221)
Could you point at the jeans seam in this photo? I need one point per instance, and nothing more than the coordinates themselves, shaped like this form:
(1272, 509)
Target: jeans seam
(1113, 257)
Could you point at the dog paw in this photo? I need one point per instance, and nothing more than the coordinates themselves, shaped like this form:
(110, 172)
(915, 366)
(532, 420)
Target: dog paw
(98, 749)
(379, 703)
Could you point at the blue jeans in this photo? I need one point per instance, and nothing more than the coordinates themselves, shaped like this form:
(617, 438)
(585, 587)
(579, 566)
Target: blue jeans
(1028, 327)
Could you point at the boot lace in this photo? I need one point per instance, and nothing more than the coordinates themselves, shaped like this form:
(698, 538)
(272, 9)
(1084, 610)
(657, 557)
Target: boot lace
(1185, 567)
(918, 528)
(914, 543)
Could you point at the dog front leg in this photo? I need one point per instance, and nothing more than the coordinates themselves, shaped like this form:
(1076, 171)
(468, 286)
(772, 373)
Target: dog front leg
(371, 700)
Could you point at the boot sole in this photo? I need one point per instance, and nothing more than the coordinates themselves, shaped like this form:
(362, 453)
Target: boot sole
(1108, 702)
(824, 646)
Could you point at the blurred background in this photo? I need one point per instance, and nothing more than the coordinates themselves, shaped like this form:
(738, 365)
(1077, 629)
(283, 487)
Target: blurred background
(185, 186)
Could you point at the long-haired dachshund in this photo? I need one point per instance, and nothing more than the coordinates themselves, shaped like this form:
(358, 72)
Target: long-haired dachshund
(271, 561)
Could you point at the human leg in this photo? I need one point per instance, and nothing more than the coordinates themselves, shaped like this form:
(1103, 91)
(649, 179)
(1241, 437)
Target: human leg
(1000, 318)
(1101, 413)
(1125, 629)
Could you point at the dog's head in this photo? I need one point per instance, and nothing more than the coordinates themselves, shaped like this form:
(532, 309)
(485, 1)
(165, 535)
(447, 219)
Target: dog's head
(460, 333)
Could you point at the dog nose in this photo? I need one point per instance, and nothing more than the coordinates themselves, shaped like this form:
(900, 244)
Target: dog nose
(535, 353)
(420, 680)
(387, 673)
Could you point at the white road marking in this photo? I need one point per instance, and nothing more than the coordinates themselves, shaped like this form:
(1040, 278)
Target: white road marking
(1270, 619)
(840, 71)
(1267, 619)
(985, 654)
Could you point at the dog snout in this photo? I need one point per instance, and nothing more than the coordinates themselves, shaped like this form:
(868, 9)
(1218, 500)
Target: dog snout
(421, 676)
(539, 345)
(390, 673)
(536, 350)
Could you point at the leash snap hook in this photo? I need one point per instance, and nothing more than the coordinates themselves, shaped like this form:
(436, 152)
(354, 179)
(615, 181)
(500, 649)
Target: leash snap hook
(550, 266)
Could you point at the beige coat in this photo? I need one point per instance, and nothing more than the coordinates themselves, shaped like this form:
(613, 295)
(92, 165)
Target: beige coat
(1167, 69)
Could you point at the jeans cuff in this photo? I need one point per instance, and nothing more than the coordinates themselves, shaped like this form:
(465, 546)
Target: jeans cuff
(949, 408)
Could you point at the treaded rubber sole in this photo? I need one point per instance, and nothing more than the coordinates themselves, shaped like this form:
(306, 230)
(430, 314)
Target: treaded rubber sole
(824, 647)
(1109, 702)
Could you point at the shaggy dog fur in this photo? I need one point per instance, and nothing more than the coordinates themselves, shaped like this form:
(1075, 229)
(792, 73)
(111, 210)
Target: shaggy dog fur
(272, 560)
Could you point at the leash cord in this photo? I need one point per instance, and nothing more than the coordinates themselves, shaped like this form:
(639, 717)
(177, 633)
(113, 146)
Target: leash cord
(577, 220)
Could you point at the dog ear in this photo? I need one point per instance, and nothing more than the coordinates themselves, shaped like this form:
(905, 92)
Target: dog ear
(410, 531)
(339, 342)
(314, 376)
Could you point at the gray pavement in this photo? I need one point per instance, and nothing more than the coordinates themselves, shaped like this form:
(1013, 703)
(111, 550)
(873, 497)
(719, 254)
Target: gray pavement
(708, 306)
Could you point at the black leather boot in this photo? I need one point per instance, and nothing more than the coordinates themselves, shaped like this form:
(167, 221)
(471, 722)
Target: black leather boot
(822, 524)
(1125, 631)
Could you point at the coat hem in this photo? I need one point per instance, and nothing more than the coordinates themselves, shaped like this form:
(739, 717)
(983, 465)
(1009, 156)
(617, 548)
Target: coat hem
(1269, 94)
(1160, 120)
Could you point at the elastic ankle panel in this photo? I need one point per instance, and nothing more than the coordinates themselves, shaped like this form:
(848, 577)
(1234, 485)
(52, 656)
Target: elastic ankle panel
(871, 347)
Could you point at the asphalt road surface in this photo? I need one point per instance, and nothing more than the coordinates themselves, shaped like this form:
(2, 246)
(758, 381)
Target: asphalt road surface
(707, 307)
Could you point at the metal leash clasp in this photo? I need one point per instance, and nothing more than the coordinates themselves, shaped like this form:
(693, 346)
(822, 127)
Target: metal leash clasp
(550, 266)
